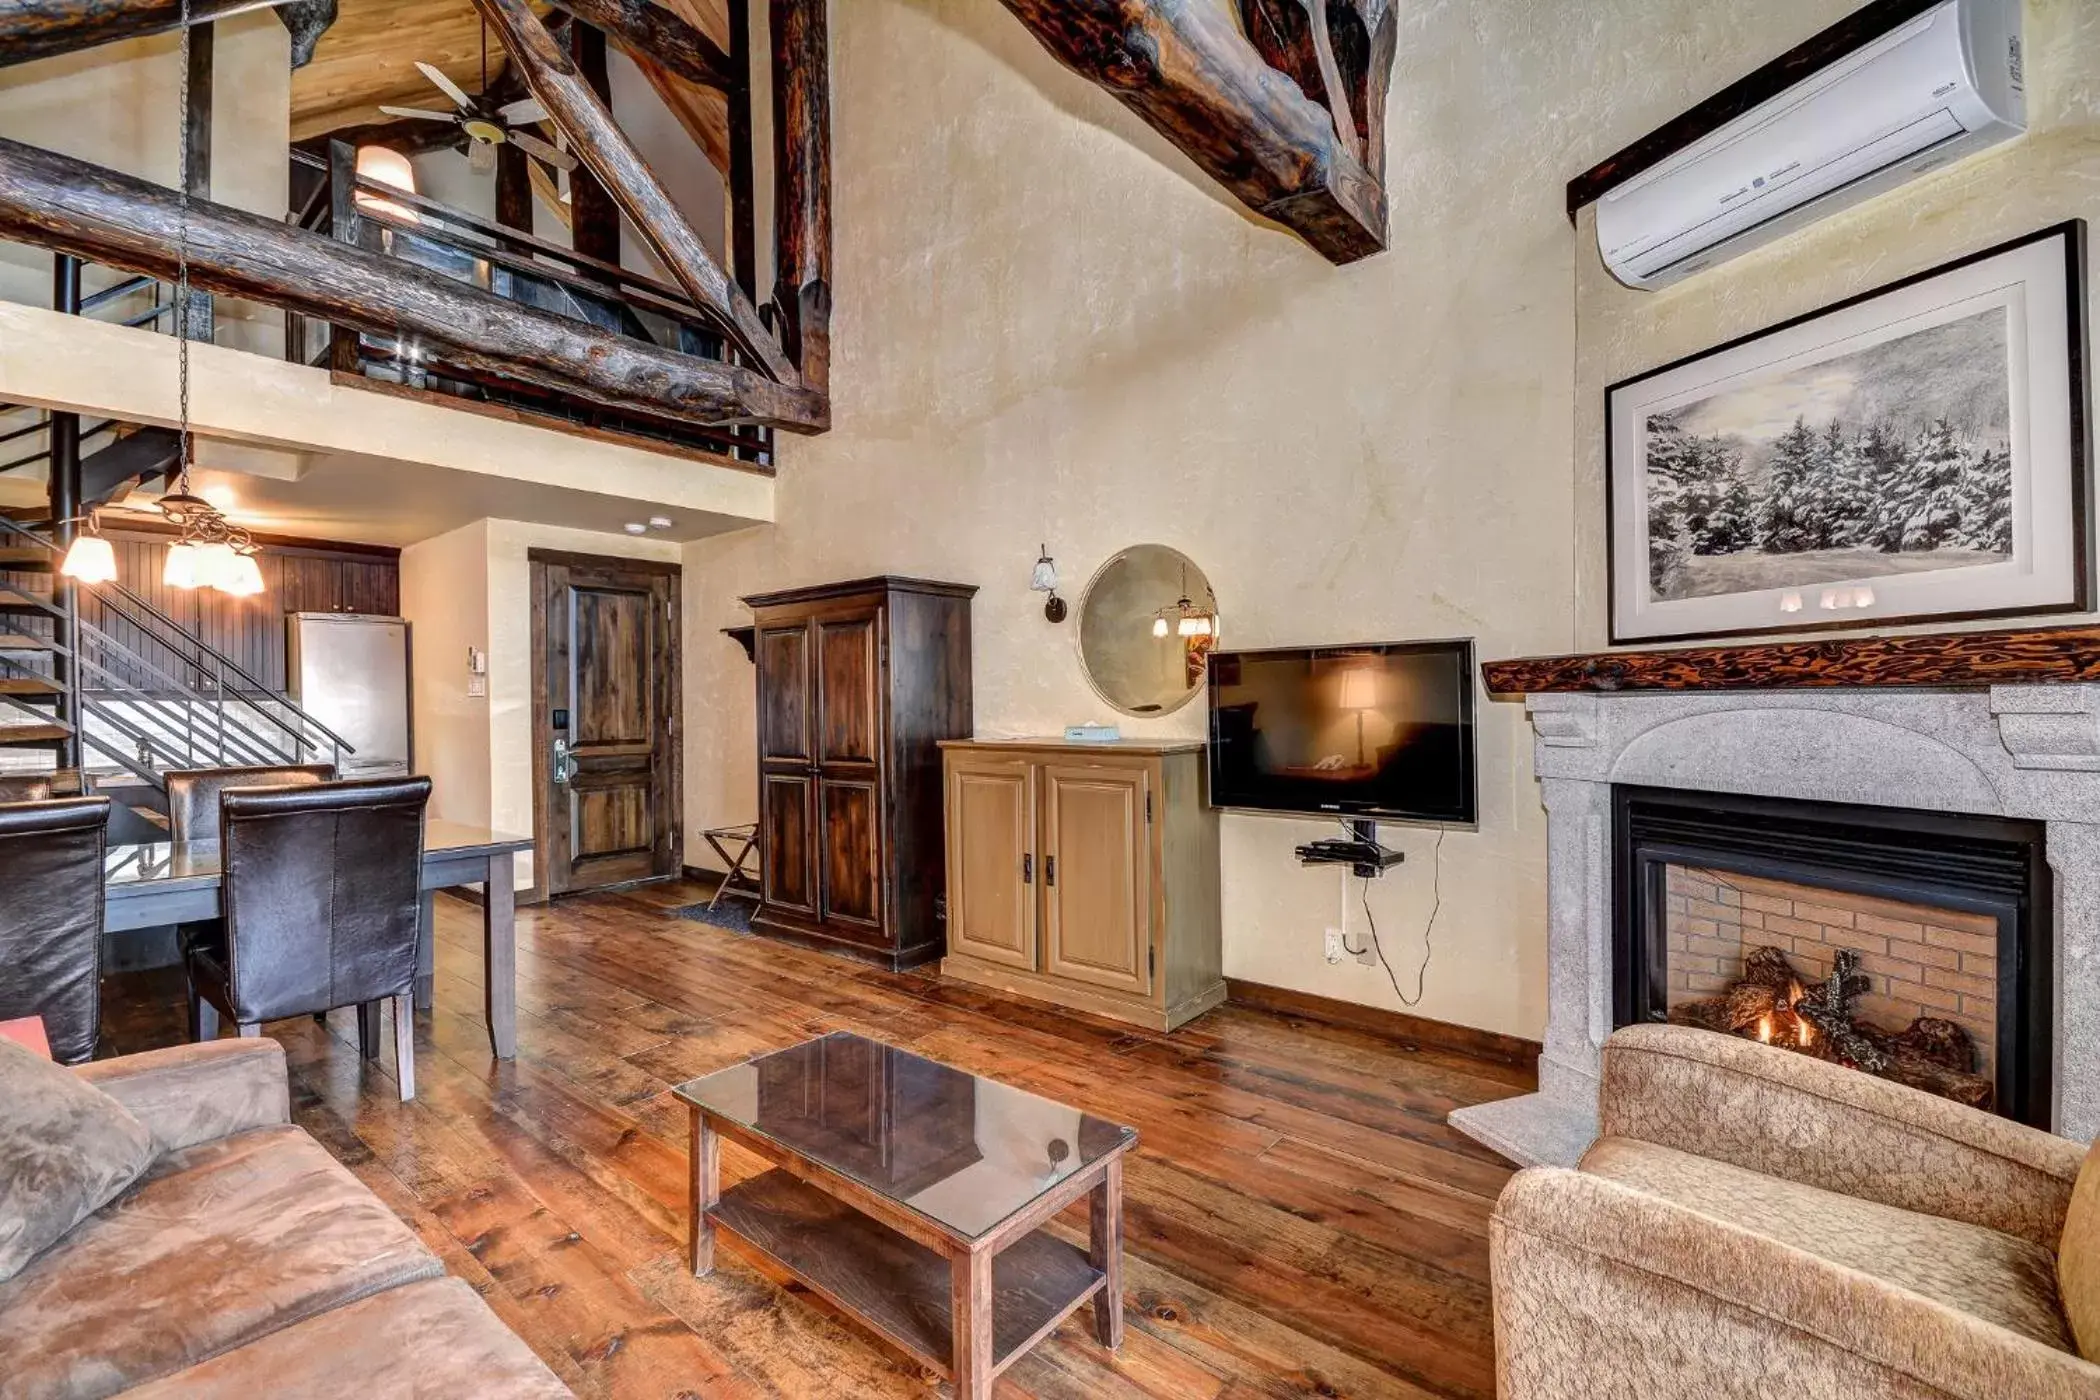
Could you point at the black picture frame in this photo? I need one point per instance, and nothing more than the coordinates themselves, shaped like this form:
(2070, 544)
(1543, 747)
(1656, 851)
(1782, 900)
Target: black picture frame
(2073, 233)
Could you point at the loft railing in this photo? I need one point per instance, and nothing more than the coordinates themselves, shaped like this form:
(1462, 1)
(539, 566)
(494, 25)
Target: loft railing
(519, 267)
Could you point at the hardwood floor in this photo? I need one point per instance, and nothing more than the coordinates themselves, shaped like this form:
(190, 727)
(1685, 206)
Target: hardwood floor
(1299, 1220)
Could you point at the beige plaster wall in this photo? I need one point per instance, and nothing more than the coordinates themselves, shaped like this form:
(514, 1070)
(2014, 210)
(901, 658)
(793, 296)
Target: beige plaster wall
(120, 105)
(2049, 175)
(472, 587)
(1053, 329)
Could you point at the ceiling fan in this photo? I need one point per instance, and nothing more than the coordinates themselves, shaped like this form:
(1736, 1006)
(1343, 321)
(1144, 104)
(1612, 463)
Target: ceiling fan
(487, 127)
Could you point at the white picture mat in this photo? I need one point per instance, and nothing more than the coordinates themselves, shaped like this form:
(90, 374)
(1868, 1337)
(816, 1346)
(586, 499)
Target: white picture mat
(2030, 283)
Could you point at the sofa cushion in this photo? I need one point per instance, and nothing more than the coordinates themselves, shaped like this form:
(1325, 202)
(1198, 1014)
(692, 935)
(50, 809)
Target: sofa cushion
(66, 1148)
(1996, 1277)
(434, 1339)
(220, 1244)
(2078, 1259)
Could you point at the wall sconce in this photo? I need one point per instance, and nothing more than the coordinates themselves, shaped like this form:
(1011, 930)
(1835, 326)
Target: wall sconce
(1044, 580)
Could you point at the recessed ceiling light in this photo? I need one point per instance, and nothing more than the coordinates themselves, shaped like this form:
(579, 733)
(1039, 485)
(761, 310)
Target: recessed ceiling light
(636, 527)
(660, 522)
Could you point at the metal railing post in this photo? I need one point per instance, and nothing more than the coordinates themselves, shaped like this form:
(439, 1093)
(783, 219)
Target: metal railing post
(64, 496)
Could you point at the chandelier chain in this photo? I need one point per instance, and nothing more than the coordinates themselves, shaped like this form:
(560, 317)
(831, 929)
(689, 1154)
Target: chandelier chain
(182, 265)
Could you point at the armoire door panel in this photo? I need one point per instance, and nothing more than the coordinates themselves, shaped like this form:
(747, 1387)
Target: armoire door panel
(787, 836)
(848, 723)
(850, 852)
(784, 694)
(991, 861)
(1096, 876)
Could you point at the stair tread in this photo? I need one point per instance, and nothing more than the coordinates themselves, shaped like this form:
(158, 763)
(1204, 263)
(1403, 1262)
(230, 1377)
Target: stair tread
(16, 641)
(30, 558)
(28, 685)
(34, 733)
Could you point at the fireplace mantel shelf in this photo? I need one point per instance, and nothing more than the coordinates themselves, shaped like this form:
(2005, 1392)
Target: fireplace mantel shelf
(1939, 660)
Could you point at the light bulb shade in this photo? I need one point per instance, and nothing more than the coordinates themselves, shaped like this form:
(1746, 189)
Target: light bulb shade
(1194, 625)
(181, 569)
(244, 579)
(1044, 579)
(1159, 627)
(385, 166)
(89, 559)
(1359, 690)
(215, 565)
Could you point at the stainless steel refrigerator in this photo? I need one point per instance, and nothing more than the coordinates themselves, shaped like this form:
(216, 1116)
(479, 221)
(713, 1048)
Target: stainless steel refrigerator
(350, 672)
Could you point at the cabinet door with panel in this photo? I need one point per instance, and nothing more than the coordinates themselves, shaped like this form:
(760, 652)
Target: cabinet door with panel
(787, 834)
(1097, 876)
(849, 690)
(849, 854)
(991, 859)
(784, 695)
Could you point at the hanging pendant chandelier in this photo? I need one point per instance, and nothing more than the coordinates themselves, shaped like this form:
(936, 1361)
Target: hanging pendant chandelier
(1184, 618)
(210, 551)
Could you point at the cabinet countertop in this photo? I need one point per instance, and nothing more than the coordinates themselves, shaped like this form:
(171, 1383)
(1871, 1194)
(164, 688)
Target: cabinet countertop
(1128, 746)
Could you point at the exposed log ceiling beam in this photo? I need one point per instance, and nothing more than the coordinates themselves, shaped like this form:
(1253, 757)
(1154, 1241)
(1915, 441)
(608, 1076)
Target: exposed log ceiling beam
(1188, 71)
(32, 29)
(802, 184)
(598, 142)
(647, 30)
(58, 202)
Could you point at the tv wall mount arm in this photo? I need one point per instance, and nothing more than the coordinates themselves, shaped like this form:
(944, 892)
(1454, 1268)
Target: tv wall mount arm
(1361, 853)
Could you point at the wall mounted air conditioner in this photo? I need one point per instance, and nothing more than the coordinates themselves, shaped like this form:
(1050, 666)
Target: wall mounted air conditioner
(1934, 89)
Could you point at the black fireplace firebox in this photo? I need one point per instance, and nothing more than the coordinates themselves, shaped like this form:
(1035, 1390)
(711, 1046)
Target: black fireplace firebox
(1991, 872)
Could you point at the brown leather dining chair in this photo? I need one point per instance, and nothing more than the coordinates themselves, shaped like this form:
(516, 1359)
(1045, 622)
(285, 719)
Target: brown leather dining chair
(319, 887)
(51, 874)
(193, 793)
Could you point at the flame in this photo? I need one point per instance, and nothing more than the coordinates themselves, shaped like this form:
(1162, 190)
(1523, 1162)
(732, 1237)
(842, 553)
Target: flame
(1804, 1033)
(1764, 1029)
(1794, 993)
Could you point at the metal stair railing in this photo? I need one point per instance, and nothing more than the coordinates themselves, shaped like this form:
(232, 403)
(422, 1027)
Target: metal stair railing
(165, 722)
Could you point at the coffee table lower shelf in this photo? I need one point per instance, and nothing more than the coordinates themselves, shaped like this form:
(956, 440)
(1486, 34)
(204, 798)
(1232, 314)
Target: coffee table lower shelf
(894, 1285)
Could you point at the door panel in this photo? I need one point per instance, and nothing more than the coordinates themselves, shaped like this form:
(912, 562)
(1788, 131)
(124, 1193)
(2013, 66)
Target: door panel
(784, 694)
(786, 826)
(851, 854)
(1097, 876)
(605, 653)
(991, 860)
(848, 690)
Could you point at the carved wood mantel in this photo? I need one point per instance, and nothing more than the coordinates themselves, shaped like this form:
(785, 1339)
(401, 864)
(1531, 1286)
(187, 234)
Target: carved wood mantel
(1941, 661)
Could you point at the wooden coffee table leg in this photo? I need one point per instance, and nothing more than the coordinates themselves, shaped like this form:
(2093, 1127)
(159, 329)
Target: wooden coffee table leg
(707, 1190)
(1105, 1252)
(971, 1296)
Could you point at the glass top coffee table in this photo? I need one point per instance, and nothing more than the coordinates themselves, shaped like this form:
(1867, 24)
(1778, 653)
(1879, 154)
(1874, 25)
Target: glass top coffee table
(911, 1195)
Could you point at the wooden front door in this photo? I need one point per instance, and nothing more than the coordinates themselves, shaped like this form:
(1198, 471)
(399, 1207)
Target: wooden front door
(605, 713)
(991, 859)
(1097, 876)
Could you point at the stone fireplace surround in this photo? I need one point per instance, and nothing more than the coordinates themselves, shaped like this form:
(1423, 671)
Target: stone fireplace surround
(2021, 751)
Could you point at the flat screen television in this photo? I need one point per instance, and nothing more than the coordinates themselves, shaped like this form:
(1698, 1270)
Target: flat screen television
(1383, 732)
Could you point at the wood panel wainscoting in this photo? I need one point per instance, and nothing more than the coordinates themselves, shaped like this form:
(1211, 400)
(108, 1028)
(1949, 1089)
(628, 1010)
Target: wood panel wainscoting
(1300, 1219)
(1086, 875)
(1938, 660)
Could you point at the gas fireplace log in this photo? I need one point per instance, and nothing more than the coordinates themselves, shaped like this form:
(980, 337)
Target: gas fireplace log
(649, 31)
(58, 202)
(32, 29)
(594, 137)
(1185, 68)
(802, 166)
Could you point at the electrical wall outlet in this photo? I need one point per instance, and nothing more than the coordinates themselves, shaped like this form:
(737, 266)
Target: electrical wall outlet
(1335, 948)
(1368, 954)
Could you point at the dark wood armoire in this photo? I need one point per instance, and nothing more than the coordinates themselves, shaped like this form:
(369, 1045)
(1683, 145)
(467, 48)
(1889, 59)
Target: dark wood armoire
(857, 685)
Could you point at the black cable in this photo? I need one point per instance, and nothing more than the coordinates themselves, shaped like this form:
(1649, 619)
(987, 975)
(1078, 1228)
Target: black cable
(1436, 862)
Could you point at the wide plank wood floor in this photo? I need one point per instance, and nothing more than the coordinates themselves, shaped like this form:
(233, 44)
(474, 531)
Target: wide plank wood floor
(1300, 1220)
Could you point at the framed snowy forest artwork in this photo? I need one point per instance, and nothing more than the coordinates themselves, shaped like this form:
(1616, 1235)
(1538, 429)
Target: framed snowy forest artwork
(1918, 452)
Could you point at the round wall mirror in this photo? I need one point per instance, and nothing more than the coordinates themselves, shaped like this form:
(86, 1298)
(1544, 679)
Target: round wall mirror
(1146, 629)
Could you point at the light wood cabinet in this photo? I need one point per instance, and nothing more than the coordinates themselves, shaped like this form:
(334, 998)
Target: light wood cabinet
(1085, 874)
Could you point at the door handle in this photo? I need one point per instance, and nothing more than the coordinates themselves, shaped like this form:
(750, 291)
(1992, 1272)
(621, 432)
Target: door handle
(1027, 869)
(565, 764)
(1050, 870)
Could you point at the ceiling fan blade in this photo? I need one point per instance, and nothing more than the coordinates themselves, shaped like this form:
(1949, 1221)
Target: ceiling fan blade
(523, 112)
(481, 157)
(532, 145)
(447, 86)
(420, 115)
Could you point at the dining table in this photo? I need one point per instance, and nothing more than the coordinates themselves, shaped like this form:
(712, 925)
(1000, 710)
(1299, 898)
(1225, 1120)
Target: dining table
(155, 884)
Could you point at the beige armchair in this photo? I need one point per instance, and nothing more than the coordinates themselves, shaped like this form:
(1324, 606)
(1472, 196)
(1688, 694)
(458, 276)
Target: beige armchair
(1752, 1222)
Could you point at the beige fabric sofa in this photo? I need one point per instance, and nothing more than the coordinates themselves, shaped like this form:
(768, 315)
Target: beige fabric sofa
(245, 1262)
(1753, 1222)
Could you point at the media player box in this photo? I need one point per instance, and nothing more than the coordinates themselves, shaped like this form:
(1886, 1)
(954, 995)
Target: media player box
(1092, 734)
